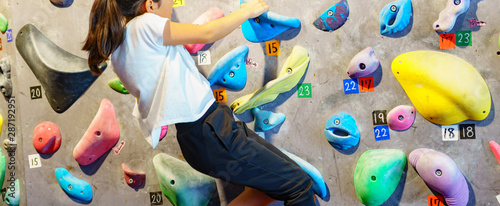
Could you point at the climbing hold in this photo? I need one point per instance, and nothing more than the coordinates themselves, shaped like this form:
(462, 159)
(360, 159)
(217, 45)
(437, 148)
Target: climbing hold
(180, 183)
(495, 148)
(101, 135)
(61, 3)
(448, 16)
(231, 71)
(3, 23)
(13, 195)
(2, 168)
(72, 186)
(363, 64)
(395, 16)
(164, 130)
(5, 80)
(441, 174)
(319, 185)
(443, 88)
(117, 85)
(293, 70)
(267, 26)
(133, 179)
(46, 137)
(341, 131)
(266, 120)
(208, 16)
(401, 117)
(64, 76)
(334, 17)
(377, 175)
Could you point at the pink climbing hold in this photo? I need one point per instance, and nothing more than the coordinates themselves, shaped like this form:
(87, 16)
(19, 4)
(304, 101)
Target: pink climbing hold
(133, 179)
(401, 117)
(208, 16)
(164, 130)
(101, 135)
(495, 148)
(46, 138)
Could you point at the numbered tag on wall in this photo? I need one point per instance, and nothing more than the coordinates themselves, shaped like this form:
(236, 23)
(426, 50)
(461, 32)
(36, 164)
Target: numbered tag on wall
(450, 132)
(463, 38)
(273, 48)
(435, 200)
(178, 3)
(381, 133)
(304, 90)
(9, 35)
(351, 86)
(34, 161)
(467, 131)
(156, 198)
(447, 41)
(204, 58)
(220, 95)
(366, 84)
(379, 117)
(36, 92)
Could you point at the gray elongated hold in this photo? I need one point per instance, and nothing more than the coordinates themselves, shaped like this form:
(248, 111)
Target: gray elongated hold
(5, 81)
(63, 76)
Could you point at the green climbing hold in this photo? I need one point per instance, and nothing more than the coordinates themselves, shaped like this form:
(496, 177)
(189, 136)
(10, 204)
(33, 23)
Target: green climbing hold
(117, 85)
(377, 175)
(13, 195)
(3, 23)
(180, 183)
(2, 168)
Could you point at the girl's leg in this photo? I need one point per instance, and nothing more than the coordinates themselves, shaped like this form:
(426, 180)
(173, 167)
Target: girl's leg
(251, 197)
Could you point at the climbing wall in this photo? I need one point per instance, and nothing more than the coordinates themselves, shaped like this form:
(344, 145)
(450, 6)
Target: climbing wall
(307, 108)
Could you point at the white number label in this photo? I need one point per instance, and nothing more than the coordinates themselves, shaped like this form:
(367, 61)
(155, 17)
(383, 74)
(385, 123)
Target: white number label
(204, 58)
(450, 132)
(34, 161)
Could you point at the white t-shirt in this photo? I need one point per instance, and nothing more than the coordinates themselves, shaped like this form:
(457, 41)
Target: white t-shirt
(164, 79)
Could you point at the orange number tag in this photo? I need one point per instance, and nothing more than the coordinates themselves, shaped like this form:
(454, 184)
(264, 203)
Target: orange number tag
(366, 84)
(447, 41)
(435, 200)
(0, 44)
(273, 48)
(220, 95)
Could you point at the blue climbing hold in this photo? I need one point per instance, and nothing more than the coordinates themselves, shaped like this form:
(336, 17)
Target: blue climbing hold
(334, 17)
(230, 71)
(267, 26)
(266, 120)
(74, 187)
(395, 16)
(341, 131)
(13, 195)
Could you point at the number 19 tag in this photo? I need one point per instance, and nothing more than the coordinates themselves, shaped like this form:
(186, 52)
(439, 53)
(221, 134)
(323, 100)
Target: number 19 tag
(450, 132)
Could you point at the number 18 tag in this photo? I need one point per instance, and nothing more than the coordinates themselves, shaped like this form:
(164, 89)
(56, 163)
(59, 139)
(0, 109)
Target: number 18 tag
(450, 132)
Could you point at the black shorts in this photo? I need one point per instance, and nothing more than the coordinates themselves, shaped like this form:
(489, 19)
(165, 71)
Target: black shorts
(220, 147)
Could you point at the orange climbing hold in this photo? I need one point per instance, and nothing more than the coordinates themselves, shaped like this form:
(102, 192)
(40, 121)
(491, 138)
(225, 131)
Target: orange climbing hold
(46, 138)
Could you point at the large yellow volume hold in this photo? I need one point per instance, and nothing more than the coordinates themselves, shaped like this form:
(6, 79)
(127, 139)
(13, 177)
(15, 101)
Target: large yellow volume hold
(445, 89)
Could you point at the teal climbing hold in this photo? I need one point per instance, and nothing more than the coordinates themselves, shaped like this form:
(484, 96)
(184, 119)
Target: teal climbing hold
(377, 175)
(395, 16)
(72, 186)
(231, 71)
(117, 85)
(13, 195)
(266, 120)
(180, 183)
(3, 23)
(2, 168)
(341, 131)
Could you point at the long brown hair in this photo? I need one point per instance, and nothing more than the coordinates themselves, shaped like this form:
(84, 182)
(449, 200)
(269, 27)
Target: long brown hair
(106, 28)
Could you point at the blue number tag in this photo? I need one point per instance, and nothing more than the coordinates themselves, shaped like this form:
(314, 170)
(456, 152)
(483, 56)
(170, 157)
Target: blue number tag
(351, 86)
(9, 35)
(381, 132)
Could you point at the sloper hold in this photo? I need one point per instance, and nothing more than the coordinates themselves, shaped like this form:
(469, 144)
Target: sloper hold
(443, 88)
(46, 137)
(341, 131)
(64, 76)
(180, 183)
(363, 63)
(5, 79)
(3, 23)
(13, 195)
(395, 16)
(266, 120)
(401, 117)
(319, 185)
(117, 85)
(61, 3)
(231, 71)
(100, 136)
(294, 68)
(448, 16)
(441, 174)
(495, 148)
(377, 175)
(334, 17)
(208, 16)
(132, 178)
(72, 186)
(267, 26)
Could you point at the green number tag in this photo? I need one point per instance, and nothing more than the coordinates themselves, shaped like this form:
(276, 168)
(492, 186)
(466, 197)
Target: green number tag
(304, 90)
(463, 38)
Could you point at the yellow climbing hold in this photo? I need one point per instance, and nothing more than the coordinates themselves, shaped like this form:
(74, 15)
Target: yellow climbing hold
(443, 88)
(291, 73)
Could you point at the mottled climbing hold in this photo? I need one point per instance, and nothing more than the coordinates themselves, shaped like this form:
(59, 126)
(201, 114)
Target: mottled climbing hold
(102, 134)
(363, 63)
(448, 16)
(319, 185)
(117, 85)
(208, 16)
(293, 70)
(3, 23)
(46, 137)
(334, 17)
(72, 186)
(267, 26)
(61, 3)
(441, 174)
(13, 195)
(395, 17)
(341, 131)
(180, 183)
(445, 89)
(266, 120)
(63, 76)
(231, 71)
(5, 79)
(132, 178)
(495, 148)
(377, 175)
(2, 167)
(401, 117)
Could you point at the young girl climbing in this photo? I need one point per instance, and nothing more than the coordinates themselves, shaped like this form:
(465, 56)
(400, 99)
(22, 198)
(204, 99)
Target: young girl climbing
(147, 55)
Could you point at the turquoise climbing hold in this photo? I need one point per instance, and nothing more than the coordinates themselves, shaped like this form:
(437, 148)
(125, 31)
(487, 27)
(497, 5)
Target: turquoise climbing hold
(395, 16)
(180, 183)
(13, 195)
(341, 131)
(334, 17)
(2, 168)
(72, 186)
(117, 85)
(266, 120)
(3, 23)
(267, 26)
(377, 175)
(231, 71)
